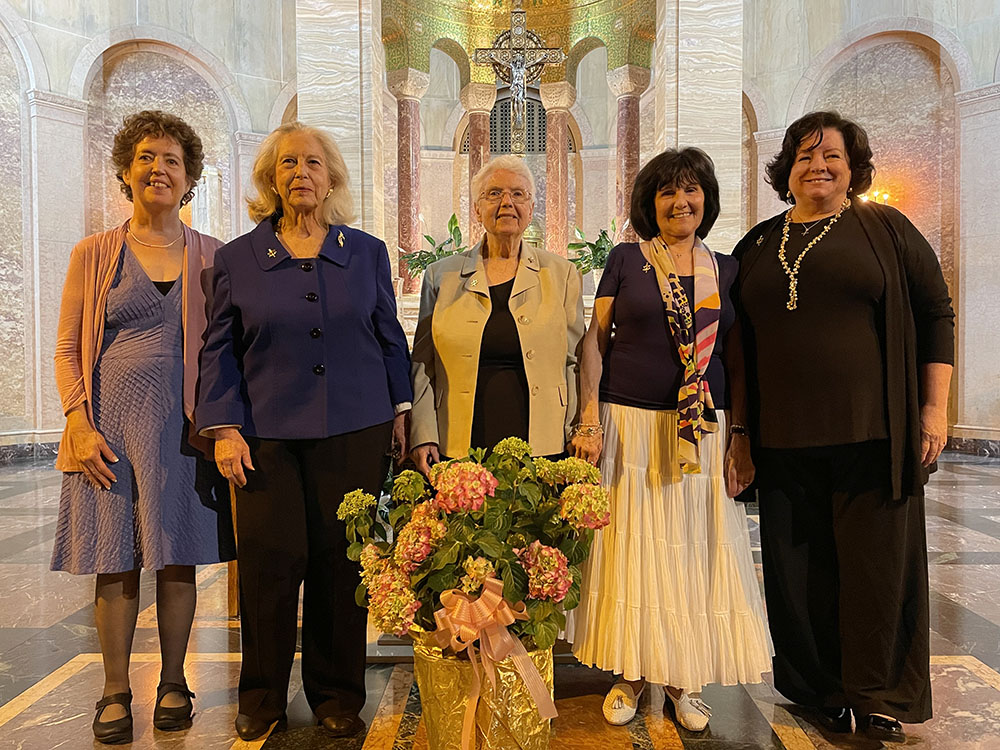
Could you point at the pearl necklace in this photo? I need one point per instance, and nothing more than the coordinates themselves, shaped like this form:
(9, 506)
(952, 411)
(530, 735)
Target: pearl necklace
(793, 271)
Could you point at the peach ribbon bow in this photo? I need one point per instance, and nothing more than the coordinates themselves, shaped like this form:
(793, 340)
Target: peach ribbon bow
(462, 621)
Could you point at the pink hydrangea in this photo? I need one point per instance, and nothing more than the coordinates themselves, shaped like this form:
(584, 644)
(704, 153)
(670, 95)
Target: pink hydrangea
(548, 572)
(391, 602)
(585, 506)
(463, 485)
(418, 538)
(372, 563)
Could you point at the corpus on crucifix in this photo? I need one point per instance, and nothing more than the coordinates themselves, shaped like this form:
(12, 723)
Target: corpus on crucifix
(518, 57)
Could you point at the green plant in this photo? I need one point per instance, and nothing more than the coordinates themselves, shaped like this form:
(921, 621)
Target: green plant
(418, 260)
(591, 255)
(526, 522)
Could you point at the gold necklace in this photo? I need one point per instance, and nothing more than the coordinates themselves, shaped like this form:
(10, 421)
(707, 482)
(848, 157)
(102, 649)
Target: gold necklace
(793, 271)
(150, 244)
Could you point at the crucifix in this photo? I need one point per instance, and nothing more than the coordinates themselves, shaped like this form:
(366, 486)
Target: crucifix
(518, 57)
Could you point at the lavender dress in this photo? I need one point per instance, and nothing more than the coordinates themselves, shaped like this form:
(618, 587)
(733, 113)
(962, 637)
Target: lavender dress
(169, 505)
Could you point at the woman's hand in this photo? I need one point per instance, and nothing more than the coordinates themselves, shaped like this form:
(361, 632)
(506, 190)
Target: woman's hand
(88, 447)
(933, 432)
(400, 428)
(739, 468)
(587, 447)
(232, 454)
(425, 456)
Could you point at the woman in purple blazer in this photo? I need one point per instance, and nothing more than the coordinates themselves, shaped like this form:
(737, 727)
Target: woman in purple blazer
(304, 385)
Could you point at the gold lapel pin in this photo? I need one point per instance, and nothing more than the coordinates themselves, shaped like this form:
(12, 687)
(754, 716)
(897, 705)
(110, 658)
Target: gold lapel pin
(340, 238)
(271, 253)
(646, 268)
(760, 240)
(474, 282)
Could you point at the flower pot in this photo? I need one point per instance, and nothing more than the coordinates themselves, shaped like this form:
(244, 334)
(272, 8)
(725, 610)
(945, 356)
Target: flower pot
(506, 718)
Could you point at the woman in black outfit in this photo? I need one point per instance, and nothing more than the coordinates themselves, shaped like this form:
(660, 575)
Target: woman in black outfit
(849, 336)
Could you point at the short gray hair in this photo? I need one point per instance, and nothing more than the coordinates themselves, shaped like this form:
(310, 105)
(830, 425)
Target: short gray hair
(508, 162)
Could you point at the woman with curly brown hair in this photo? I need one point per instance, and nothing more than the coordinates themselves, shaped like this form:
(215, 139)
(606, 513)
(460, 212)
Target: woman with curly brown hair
(137, 491)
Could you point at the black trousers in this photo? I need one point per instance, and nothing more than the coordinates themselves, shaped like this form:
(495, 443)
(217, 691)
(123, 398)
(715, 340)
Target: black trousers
(845, 576)
(287, 533)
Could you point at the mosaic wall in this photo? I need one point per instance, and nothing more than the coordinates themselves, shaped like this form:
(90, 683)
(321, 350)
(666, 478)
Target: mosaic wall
(903, 96)
(149, 80)
(13, 400)
(625, 27)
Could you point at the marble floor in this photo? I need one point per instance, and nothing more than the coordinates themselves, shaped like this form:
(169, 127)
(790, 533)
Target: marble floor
(50, 668)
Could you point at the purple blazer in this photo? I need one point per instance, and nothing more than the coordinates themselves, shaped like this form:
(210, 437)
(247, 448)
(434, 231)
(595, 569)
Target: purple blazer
(302, 348)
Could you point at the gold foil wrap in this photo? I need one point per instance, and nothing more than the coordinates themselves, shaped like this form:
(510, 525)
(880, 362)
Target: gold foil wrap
(506, 719)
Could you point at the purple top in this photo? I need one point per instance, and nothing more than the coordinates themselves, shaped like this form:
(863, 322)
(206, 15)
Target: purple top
(641, 365)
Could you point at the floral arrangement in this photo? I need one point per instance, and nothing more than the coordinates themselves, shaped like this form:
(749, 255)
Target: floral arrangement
(527, 522)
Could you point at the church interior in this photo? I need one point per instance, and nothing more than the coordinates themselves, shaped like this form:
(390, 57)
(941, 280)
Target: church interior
(416, 111)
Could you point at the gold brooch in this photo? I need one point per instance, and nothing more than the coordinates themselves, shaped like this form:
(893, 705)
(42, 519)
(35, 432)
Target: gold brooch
(474, 282)
(646, 268)
(760, 240)
(271, 253)
(340, 238)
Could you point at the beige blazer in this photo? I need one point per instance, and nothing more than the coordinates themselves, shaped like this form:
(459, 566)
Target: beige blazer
(454, 305)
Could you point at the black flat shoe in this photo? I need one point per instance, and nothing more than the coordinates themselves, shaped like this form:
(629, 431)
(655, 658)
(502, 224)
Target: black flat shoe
(342, 726)
(252, 728)
(881, 728)
(172, 719)
(835, 719)
(118, 731)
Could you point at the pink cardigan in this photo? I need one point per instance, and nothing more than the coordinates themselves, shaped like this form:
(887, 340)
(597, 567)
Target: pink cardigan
(91, 272)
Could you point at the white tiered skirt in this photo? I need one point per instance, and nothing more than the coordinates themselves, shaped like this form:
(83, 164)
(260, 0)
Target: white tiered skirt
(669, 591)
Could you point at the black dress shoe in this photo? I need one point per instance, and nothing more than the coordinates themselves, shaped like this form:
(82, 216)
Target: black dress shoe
(881, 728)
(835, 719)
(117, 731)
(172, 719)
(342, 726)
(252, 728)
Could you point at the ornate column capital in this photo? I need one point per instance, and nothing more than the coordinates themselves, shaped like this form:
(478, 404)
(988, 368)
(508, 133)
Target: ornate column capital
(56, 107)
(408, 83)
(557, 96)
(478, 97)
(628, 80)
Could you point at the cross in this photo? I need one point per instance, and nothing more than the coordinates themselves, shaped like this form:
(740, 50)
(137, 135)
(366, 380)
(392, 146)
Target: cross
(518, 58)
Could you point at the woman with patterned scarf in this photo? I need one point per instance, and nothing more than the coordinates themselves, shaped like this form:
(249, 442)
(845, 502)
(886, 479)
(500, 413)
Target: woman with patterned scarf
(669, 595)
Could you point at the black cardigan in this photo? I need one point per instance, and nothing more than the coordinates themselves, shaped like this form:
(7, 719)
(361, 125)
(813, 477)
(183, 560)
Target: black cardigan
(919, 328)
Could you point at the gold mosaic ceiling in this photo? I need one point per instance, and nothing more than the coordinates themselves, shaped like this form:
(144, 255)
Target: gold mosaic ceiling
(410, 28)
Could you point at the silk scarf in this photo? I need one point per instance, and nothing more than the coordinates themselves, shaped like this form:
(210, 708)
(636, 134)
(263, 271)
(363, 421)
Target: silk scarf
(694, 328)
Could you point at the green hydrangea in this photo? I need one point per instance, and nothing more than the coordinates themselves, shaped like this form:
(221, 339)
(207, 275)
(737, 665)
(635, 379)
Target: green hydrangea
(513, 446)
(409, 487)
(355, 504)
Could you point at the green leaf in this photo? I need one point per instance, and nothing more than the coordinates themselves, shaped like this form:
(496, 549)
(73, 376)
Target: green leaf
(443, 580)
(572, 599)
(489, 544)
(397, 514)
(546, 633)
(452, 224)
(578, 233)
(530, 492)
(361, 596)
(515, 581)
(431, 240)
(446, 556)
(354, 551)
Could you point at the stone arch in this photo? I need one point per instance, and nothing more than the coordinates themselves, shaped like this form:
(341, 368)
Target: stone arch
(924, 33)
(23, 48)
(578, 52)
(124, 39)
(457, 53)
(284, 99)
(748, 173)
(757, 102)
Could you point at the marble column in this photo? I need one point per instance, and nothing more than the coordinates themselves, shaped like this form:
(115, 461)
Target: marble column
(977, 304)
(340, 73)
(768, 145)
(408, 86)
(57, 125)
(557, 98)
(478, 100)
(627, 84)
(698, 56)
(245, 147)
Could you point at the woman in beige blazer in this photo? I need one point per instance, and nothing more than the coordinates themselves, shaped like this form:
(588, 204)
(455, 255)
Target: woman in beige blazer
(495, 351)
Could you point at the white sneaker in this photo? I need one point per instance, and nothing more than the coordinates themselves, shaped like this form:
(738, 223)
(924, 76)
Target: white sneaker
(620, 704)
(692, 713)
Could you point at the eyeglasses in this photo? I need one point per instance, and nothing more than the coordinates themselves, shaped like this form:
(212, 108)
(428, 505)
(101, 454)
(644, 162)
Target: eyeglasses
(496, 195)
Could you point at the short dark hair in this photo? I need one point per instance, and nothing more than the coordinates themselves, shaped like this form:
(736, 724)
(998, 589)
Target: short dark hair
(859, 152)
(154, 123)
(673, 168)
